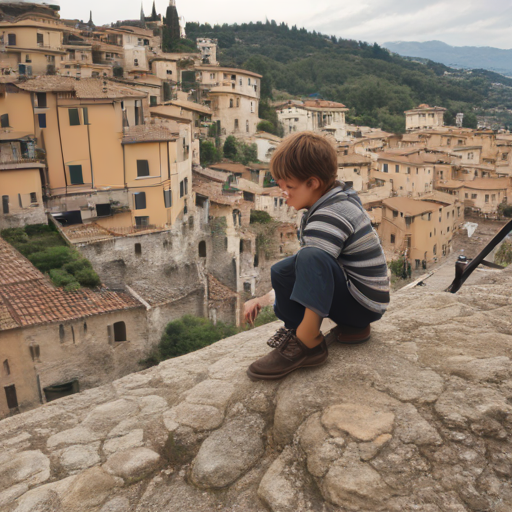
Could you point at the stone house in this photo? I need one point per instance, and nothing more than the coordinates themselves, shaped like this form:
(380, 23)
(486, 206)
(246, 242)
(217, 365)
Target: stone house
(424, 117)
(420, 229)
(54, 343)
(208, 49)
(313, 115)
(233, 96)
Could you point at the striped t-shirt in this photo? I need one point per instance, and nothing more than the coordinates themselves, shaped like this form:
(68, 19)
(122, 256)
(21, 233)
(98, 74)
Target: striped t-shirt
(338, 224)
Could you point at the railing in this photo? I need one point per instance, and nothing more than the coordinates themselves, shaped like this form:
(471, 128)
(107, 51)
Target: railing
(130, 230)
(11, 159)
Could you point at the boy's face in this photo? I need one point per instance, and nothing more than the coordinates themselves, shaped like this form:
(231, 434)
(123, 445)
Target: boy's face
(301, 194)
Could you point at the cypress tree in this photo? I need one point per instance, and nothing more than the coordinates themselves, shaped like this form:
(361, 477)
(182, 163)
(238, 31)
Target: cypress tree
(154, 15)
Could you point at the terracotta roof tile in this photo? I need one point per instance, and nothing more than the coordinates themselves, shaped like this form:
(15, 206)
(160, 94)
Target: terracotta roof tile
(27, 297)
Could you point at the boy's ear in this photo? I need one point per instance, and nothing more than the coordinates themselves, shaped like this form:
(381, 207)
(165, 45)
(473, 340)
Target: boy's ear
(314, 183)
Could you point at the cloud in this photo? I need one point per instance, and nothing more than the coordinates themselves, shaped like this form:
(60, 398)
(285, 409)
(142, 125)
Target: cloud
(456, 22)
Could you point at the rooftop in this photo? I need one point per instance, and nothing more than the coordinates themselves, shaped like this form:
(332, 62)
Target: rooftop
(354, 158)
(425, 108)
(190, 105)
(228, 70)
(27, 297)
(85, 88)
(411, 207)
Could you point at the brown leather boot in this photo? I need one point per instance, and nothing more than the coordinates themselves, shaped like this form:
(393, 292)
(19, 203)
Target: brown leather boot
(349, 335)
(290, 355)
(276, 339)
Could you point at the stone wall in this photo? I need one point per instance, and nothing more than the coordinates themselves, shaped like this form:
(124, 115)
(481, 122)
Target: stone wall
(22, 217)
(418, 418)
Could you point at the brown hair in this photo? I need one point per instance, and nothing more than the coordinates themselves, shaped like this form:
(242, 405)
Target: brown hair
(305, 155)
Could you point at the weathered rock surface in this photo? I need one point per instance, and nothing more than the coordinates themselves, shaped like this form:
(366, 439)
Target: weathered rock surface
(419, 418)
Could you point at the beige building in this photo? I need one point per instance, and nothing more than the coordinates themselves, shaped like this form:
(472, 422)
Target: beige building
(424, 117)
(355, 169)
(31, 47)
(482, 195)
(420, 229)
(313, 115)
(54, 343)
(233, 95)
(22, 173)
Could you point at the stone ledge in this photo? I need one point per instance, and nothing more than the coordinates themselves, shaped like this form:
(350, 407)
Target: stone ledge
(419, 418)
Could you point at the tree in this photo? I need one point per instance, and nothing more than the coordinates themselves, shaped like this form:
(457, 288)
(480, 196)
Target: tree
(230, 147)
(208, 153)
(265, 126)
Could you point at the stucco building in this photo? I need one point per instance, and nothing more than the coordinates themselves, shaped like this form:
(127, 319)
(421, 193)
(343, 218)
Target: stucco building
(424, 117)
(313, 115)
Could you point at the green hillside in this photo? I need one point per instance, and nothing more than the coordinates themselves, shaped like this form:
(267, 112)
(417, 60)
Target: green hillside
(377, 86)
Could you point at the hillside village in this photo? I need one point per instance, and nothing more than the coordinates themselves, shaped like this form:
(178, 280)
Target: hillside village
(101, 137)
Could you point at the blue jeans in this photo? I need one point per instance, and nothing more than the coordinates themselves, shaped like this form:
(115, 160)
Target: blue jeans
(313, 279)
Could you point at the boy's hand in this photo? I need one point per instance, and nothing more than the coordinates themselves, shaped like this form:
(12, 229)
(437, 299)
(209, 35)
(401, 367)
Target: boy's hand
(251, 310)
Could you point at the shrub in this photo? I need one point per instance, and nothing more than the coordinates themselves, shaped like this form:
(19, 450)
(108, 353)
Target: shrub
(53, 257)
(77, 265)
(265, 126)
(14, 235)
(260, 217)
(72, 287)
(266, 316)
(38, 229)
(60, 277)
(87, 277)
(209, 154)
(188, 334)
(504, 254)
(398, 268)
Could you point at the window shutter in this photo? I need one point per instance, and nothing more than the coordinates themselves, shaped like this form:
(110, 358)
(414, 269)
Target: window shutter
(142, 168)
(4, 120)
(75, 175)
(168, 198)
(42, 120)
(140, 200)
(74, 117)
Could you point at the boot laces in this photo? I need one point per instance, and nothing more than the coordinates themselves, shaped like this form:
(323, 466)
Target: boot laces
(278, 337)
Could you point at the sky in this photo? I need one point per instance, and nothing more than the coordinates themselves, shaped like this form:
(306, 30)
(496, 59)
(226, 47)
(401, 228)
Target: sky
(455, 22)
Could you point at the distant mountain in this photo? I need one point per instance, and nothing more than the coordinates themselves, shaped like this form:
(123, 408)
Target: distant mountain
(469, 57)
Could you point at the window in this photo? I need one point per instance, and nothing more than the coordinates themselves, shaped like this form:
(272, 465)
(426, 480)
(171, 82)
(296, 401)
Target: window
(252, 106)
(168, 198)
(486, 198)
(7, 370)
(11, 39)
(140, 200)
(153, 100)
(12, 399)
(85, 112)
(407, 221)
(42, 120)
(212, 76)
(142, 168)
(61, 332)
(408, 170)
(185, 183)
(392, 239)
(84, 57)
(473, 196)
(466, 195)
(395, 214)
(141, 222)
(75, 175)
(240, 81)
(119, 331)
(28, 60)
(504, 156)
(40, 39)
(135, 62)
(41, 100)
(238, 102)
(169, 71)
(33, 197)
(397, 168)
(247, 126)
(231, 103)
(236, 124)
(35, 351)
(50, 59)
(74, 117)
(434, 249)
(4, 121)
(493, 198)
(182, 189)
(470, 156)
(138, 249)
(384, 167)
(202, 249)
(248, 81)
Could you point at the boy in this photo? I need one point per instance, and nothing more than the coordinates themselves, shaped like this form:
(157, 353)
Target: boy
(340, 272)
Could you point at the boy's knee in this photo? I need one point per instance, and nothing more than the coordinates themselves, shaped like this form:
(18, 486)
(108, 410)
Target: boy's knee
(313, 256)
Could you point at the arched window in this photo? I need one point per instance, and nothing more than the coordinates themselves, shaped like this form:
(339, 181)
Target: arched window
(202, 249)
(231, 103)
(119, 331)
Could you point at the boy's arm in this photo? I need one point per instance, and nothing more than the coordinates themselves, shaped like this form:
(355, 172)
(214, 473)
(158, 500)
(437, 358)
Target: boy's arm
(252, 307)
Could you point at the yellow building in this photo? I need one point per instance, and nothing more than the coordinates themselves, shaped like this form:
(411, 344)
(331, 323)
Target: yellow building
(32, 47)
(105, 164)
(22, 172)
(422, 230)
